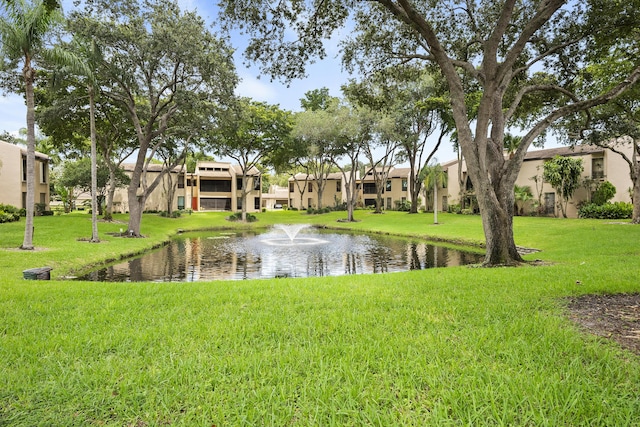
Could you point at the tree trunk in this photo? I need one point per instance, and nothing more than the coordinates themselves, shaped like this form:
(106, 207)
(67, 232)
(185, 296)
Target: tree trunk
(413, 185)
(379, 201)
(136, 207)
(170, 194)
(635, 179)
(435, 201)
(28, 74)
(320, 192)
(94, 169)
(136, 201)
(635, 216)
(108, 214)
(496, 209)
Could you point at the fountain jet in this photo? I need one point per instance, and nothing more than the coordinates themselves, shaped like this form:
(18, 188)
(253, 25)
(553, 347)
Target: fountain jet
(292, 230)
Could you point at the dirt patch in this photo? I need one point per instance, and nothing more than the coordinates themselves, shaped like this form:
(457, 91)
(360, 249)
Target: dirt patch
(615, 317)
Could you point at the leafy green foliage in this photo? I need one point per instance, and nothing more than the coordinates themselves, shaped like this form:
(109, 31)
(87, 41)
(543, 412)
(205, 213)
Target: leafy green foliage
(523, 195)
(563, 173)
(238, 217)
(9, 213)
(617, 210)
(166, 72)
(603, 193)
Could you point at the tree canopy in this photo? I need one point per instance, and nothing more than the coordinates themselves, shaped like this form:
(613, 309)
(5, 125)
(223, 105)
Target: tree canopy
(163, 68)
(519, 59)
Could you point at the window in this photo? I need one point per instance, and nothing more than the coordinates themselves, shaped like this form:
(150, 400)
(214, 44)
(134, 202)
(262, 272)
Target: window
(338, 186)
(597, 168)
(238, 183)
(256, 203)
(181, 181)
(24, 169)
(215, 186)
(256, 183)
(404, 184)
(180, 202)
(291, 187)
(43, 172)
(310, 189)
(369, 188)
(388, 186)
(216, 204)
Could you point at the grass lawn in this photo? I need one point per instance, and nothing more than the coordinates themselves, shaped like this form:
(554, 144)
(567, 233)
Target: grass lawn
(444, 347)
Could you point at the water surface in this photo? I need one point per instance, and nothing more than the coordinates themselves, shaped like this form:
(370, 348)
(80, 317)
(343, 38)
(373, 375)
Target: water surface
(312, 252)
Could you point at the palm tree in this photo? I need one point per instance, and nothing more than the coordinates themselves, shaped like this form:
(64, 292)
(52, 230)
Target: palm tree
(435, 176)
(23, 27)
(522, 194)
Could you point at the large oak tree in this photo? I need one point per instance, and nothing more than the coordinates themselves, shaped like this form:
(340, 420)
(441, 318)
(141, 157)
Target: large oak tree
(159, 64)
(494, 47)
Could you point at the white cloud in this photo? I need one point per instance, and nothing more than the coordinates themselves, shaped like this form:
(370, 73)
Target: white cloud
(252, 87)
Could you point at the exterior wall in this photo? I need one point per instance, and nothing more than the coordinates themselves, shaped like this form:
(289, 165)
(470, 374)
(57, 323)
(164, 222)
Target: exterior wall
(276, 196)
(615, 170)
(215, 187)
(157, 200)
(330, 197)
(13, 186)
(396, 189)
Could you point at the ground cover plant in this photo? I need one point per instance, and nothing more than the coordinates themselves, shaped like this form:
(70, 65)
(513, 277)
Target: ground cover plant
(455, 346)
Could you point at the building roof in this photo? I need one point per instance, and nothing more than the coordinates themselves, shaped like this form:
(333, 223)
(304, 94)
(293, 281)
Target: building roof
(399, 173)
(152, 167)
(23, 150)
(222, 169)
(305, 177)
(549, 153)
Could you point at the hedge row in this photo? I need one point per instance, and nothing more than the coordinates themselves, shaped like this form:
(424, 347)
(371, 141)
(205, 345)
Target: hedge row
(617, 210)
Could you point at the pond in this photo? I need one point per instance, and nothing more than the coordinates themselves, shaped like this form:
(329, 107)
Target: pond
(283, 251)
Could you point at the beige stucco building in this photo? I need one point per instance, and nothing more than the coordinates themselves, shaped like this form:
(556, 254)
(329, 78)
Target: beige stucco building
(599, 165)
(303, 191)
(276, 198)
(217, 186)
(396, 188)
(13, 177)
(214, 186)
(395, 191)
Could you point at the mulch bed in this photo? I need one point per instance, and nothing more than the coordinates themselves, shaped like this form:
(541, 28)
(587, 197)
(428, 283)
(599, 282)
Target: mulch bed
(615, 317)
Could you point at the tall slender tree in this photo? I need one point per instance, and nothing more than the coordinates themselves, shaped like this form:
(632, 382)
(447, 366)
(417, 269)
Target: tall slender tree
(24, 28)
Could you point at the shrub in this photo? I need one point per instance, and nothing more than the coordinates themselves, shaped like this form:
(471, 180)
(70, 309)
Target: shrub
(9, 213)
(603, 193)
(617, 210)
(312, 211)
(238, 217)
(403, 206)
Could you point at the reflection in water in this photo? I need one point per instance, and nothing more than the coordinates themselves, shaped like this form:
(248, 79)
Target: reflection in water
(197, 257)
